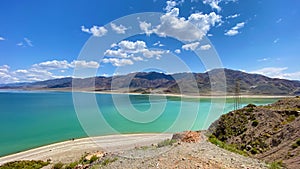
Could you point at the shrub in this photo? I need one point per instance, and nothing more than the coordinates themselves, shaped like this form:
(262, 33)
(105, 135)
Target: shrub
(58, 165)
(71, 165)
(275, 165)
(225, 146)
(167, 142)
(94, 158)
(254, 123)
(33, 164)
(295, 145)
(105, 162)
(290, 118)
(253, 151)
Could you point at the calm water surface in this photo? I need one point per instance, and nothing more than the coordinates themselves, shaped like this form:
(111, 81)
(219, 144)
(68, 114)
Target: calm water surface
(32, 119)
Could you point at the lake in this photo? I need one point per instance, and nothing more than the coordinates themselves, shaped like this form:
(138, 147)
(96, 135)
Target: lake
(32, 119)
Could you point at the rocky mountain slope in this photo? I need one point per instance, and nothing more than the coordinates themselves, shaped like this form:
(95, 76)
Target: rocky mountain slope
(186, 83)
(270, 133)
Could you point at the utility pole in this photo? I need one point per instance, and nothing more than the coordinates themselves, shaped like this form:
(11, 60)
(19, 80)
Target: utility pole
(237, 97)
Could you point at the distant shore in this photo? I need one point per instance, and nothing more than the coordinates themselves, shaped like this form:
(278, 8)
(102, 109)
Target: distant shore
(69, 150)
(153, 94)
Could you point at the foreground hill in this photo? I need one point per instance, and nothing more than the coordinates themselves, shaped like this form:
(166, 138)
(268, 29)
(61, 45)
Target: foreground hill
(191, 83)
(270, 133)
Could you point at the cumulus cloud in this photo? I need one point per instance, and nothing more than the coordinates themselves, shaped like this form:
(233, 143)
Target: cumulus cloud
(205, 47)
(42, 71)
(52, 65)
(170, 5)
(117, 62)
(190, 46)
(63, 64)
(119, 29)
(235, 30)
(278, 72)
(1, 38)
(97, 31)
(84, 64)
(146, 27)
(191, 29)
(121, 53)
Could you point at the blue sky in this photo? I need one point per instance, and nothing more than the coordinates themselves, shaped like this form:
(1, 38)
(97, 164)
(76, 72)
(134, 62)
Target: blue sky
(41, 40)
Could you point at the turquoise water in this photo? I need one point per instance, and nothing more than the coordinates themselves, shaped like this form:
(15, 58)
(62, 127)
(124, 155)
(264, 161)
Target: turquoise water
(33, 119)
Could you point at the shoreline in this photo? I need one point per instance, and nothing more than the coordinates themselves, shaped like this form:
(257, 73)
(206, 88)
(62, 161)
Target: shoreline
(229, 96)
(72, 149)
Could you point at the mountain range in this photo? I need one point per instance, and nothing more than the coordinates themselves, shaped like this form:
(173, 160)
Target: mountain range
(185, 83)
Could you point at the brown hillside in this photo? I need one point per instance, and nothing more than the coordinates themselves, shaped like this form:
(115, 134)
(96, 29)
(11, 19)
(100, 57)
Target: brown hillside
(270, 133)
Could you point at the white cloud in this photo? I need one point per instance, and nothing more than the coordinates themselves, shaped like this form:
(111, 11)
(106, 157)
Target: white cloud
(118, 62)
(205, 47)
(153, 53)
(52, 65)
(4, 68)
(278, 72)
(116, 53)
(33, 74)
(133, 47)
(5, 75)
(137, 58)
(97, 31)
(158, 43)
(84, 64)
(234, 30)
(119, 29)
(28, 42)
(232, 16)
(276, 40)
(20, 44)
(170, 5)
(190, 46)
(127, 50)
(63, 64)
(213, 3)
(146, 27)
(1, 38)
(177, 51)
(194, 28)
(42, 71)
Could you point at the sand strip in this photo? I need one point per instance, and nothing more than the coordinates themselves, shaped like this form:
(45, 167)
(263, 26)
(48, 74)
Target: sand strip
(72, 150)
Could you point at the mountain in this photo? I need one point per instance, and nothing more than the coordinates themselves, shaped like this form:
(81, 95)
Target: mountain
(270, 133)
(184, 83)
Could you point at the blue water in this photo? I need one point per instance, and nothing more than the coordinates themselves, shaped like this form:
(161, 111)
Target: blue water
(33, 119)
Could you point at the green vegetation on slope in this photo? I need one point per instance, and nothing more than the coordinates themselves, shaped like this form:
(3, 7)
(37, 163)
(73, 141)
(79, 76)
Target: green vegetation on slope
(33, 164)
(268, 132)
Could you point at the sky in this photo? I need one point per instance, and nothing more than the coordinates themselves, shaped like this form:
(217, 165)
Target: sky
(49, 39)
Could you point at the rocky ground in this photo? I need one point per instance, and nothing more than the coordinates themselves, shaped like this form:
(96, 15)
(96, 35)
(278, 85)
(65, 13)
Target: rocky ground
(190, 151)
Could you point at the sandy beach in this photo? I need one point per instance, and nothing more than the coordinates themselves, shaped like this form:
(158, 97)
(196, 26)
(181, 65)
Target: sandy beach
(68, 151)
